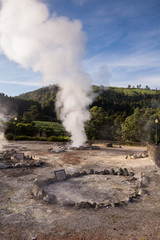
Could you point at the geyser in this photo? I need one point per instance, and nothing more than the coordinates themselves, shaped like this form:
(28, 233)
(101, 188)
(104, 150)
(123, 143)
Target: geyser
(54, 46)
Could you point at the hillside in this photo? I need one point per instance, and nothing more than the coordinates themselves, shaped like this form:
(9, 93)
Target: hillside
(45, 94)
(116, 113)
(41, 95)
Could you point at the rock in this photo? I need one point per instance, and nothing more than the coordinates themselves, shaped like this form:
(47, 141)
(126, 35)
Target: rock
(82, 148)
(112, 171)
(84, 173)
(3, 166)
(72, 148)
(125, 172)
(129, 199)
(107, 205)
(99, 205)
(109, 145)
(121, 172)
(50, 180)
(142, 192)
(76, 174)
(84, 205)
(68, 176)
(68, 203)
(50, 199)
(23, 165)
(145, 180)
(106, 172)
(39, 182)
(118, 204)
(131, 174)
(91, 171)
(95, 148)
(144, 155)
(17, 165)
(38, 192)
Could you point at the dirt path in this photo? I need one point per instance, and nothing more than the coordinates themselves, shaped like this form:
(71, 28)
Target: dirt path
(24, 218)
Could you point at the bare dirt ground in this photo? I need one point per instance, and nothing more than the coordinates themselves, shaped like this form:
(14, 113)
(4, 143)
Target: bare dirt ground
(24, 218)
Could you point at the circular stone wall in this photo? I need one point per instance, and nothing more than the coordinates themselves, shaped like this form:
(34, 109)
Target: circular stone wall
(88, 190)
(92, 188)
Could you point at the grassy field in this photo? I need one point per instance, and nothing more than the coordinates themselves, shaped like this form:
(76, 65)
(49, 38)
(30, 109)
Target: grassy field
(134, 91)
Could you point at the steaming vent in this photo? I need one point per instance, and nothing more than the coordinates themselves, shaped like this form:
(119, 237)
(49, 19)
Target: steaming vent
(58, 148)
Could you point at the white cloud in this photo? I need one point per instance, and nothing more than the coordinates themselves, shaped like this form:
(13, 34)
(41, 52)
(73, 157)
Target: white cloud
(24, 83)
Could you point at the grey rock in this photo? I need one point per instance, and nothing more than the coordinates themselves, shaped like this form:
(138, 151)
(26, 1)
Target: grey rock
(91, 171)
(125, 172)
(109, 145)
(68, 203)
(84, 205)
(38, 192)
(50, 199)
(68, 176)
(131, 174)
(84, 173)
(3, 166)
(76, 174)
(112, 171)
(106, 172)
(17, 165)
(121, 172)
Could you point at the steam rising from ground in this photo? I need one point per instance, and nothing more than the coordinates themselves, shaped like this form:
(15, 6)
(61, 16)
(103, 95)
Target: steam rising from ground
(2, 138)
(54, 46)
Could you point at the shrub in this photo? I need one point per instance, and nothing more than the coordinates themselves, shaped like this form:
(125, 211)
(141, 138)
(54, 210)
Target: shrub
(9, 136)
(58, 139)
(23, 137)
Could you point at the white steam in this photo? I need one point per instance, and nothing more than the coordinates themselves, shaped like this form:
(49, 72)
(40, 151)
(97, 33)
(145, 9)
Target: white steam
(54, 46)
(2, 138)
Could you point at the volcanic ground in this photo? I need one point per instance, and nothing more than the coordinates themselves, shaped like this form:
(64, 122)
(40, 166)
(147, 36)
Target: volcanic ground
(24, 217)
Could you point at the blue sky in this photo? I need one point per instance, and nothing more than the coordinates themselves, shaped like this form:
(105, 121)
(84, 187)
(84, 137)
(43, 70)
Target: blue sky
(123, 45)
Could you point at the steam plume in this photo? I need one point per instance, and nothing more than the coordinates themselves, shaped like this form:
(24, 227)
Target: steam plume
(2, 138)
(54, 46)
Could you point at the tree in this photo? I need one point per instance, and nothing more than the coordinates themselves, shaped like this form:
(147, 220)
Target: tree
(97, 118)
(32, 114)
(147, 88)
(140, 126)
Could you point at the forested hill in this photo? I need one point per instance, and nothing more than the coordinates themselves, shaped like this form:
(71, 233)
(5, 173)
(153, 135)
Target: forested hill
(14, 106)
(42, 95)
(117, 113)
(48, 93)
(112, 100)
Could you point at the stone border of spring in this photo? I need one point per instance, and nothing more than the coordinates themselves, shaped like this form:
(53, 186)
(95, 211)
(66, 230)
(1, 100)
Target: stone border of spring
(21, 165)
(38, 190)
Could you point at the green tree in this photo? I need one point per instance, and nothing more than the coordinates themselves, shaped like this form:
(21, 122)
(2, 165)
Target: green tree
(140, 126)
(32, 114)
(98, 116)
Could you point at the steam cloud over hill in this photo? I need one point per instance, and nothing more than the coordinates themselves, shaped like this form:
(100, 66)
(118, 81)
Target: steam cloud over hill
(54, 46)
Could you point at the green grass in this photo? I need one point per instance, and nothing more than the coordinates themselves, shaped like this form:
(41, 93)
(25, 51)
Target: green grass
(134, 91)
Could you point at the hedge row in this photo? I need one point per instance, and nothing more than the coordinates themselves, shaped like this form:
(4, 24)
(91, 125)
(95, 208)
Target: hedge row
(10, 136)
